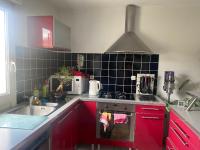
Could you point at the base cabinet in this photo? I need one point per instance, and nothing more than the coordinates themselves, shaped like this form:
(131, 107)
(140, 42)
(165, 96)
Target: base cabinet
(76, 125)
(149, 128)
(181, 135)
(87, 122)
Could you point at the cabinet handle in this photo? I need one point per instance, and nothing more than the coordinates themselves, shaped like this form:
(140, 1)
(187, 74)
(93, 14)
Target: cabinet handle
(181, 130)
(170, 148)
(154, 118)
(180, 139)
(151, 109)
(60, 121)
(76, 107)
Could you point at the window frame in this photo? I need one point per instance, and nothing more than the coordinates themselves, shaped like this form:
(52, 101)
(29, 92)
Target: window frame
(7, 54)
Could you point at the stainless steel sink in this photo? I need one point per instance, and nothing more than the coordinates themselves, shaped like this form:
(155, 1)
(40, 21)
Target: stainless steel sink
(33, 110)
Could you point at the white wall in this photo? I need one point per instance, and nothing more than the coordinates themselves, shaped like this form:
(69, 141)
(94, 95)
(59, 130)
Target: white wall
(171, 31)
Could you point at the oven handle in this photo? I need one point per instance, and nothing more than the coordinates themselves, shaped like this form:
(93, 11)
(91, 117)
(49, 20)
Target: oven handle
(120, 113)
(154, 118)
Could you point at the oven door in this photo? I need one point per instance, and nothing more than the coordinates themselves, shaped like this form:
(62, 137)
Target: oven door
(116, 131)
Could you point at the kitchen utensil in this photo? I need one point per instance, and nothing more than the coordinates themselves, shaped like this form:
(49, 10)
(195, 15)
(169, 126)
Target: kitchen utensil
(94, 87)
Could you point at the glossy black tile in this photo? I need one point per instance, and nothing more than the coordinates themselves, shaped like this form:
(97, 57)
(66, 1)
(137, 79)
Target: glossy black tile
(105, 64)
(105, 57)
(112, 73)
(137, 58)
(145, 66)
(121, 57)
(113, 57)
(154, 66)
(120, 65)
(155, 58)
(137, 66)
(112, 65)
(105, 73)
(129, 57)
(112, 80)
(146, 58)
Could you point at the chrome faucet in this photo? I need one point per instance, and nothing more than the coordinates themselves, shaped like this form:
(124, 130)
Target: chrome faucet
(30, 101)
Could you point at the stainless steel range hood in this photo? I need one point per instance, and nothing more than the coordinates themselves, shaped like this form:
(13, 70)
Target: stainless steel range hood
(129, 42)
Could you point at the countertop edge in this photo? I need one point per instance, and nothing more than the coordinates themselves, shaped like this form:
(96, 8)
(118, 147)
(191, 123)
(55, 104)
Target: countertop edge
(52, 117)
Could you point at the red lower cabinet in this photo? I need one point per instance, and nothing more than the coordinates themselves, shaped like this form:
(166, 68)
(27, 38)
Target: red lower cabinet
(63, 137)
(149, 127)
(149, 131)
(76, 125)
(181, 135)
(87, 126)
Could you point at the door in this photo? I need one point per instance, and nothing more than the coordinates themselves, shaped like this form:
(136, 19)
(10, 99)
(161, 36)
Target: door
(88, 122)
(40, 31)
(149, 131)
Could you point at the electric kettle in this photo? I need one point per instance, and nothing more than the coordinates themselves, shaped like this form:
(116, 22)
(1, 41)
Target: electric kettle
(94, 87)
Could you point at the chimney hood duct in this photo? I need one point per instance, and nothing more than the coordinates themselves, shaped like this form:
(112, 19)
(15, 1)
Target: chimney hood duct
(129, 42)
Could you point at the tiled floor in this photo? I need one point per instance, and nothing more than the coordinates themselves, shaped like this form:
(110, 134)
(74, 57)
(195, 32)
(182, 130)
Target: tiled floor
(89, 147)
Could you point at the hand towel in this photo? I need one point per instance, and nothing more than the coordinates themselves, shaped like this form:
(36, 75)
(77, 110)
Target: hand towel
(120, 118)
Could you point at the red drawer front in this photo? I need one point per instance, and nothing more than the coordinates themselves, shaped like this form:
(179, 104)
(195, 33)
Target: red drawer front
(179, 142)
(170, 144)
(184, 130)
(150, 109)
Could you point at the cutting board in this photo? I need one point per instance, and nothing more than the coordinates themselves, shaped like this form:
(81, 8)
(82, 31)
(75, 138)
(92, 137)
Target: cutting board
(25, 122)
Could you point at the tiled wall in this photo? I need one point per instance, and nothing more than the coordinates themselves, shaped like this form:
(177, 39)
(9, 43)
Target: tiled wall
(115, 70)
(33, 66)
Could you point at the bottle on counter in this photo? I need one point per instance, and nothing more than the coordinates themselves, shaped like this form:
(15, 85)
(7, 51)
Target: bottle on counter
(45, 89)
(35, 92)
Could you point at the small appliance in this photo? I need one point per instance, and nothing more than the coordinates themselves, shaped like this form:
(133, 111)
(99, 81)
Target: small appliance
(78, 84)
(145, 84)
(94, 87)
(169, 83)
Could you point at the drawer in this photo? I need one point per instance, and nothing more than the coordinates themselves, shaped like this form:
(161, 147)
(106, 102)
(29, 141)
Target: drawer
(150, 109)
(179, 142)
(170, 144)
(184, 130)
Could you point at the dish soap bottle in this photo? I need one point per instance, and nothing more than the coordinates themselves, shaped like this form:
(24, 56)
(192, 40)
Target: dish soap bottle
(35, 92)
(45, 87)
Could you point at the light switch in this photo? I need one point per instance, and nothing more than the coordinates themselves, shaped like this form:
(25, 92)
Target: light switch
(133, 77)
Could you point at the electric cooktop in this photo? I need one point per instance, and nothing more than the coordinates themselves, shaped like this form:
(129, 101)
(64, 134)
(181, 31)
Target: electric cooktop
(116, 95)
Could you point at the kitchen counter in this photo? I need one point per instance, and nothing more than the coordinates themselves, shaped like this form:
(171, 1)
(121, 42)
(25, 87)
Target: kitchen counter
(135, 101)
(192, 118)
(18, 138)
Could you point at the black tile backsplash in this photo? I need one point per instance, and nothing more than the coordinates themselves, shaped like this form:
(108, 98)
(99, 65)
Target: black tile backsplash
(113, 70)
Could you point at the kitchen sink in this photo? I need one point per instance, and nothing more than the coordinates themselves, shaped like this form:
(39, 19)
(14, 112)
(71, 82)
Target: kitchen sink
(33, 110)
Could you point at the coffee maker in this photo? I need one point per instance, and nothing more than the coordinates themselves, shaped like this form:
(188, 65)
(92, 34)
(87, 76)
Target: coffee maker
(169, 85)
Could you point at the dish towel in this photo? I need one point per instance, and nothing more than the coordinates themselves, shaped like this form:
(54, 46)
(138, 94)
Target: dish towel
(105, 118)
(120, 119)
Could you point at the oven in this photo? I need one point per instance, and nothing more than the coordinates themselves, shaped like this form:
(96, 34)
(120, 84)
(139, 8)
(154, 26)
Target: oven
(112, 129)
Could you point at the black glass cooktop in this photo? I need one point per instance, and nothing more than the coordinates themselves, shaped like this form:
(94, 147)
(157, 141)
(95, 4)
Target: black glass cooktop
(116, 95)
(147, 98)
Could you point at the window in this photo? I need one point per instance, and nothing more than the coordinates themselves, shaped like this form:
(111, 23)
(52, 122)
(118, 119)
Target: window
(3, 53)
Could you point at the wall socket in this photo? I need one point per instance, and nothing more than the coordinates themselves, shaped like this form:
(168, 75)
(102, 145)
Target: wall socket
(133, 77)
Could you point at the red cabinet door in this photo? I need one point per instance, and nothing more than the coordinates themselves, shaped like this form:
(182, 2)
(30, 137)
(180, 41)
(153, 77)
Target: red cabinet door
(62, 132)
(40, 31)
(149, 131)
(87, 115)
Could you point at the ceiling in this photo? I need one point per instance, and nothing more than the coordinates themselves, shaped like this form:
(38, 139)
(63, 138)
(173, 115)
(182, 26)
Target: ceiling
(114, 3)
